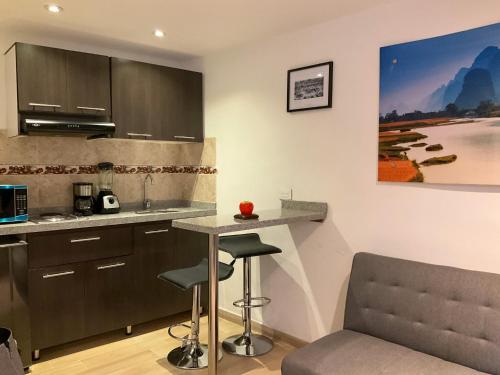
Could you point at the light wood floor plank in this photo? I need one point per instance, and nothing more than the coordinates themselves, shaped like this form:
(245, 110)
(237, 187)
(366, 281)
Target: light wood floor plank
(144, 353)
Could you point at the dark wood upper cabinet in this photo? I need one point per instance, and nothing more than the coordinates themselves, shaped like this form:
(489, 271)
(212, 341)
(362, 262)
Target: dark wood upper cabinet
(184, 117)
(133, 93)
(156, 102)
(88, 84)
(60, 81)
(41, 78)
(145, 101)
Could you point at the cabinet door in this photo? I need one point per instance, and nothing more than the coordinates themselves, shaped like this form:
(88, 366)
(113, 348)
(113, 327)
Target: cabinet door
(56, 296)
(89, 91)
(5, 289)
(184, 114)
(108, 295)
(156, 102)
(191, 248)
(136, 99)
(41, 73)
(154, 251)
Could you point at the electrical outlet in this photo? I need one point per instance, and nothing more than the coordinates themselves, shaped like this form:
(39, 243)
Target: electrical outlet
(286, 193)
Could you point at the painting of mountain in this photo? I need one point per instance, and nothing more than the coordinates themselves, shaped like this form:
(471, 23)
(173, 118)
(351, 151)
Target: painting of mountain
(439, 115)
(477, 88)
(454, 87)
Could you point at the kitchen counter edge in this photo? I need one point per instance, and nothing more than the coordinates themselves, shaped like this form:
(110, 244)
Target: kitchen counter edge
(121, 218)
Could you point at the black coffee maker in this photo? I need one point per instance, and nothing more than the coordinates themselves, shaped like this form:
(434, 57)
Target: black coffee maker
(83, 201)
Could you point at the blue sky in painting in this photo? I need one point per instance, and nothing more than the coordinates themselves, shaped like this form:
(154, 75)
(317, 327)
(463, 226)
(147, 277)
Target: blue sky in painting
(410, 72)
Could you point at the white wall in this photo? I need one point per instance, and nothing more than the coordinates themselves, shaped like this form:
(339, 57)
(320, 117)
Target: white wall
(331, 155)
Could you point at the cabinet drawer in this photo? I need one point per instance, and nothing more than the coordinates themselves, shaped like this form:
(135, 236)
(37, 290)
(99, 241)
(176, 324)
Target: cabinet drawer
(56, 248)
(155, 237)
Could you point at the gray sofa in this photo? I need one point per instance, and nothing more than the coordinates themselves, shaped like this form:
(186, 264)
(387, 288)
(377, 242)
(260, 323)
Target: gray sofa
(409, 318)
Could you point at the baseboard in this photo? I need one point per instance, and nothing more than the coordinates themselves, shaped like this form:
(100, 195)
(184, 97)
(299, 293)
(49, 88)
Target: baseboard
(263, 329)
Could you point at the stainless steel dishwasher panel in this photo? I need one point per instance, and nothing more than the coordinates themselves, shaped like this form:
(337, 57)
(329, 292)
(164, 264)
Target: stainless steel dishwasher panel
(14, 312)
(5, 289)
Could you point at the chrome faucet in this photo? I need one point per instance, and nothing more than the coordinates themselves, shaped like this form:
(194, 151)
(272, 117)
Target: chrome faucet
(146, 204)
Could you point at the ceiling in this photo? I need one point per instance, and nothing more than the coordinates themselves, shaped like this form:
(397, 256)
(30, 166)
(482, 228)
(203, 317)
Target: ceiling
(192, 27)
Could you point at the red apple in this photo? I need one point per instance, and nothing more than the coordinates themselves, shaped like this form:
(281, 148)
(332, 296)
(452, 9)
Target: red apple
(246, 208)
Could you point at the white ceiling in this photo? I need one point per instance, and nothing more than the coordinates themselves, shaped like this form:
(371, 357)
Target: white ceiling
(192, 27)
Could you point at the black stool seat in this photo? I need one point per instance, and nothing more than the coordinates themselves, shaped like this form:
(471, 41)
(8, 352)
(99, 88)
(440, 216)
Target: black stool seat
(246, 245)
(187, 278)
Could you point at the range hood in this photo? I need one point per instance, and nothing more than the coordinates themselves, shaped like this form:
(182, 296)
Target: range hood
(91, 129)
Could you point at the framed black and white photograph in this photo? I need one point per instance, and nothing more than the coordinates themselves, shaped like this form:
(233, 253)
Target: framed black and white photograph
(310, 87)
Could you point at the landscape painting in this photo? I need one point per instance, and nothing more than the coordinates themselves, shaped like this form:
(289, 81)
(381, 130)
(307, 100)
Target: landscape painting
(439, 115)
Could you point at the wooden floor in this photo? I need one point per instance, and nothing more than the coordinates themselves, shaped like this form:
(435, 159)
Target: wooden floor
(144, 353)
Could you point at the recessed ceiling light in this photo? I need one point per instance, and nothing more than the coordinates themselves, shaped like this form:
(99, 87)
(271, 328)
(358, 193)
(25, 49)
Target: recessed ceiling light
(159, 33)
(53, 8)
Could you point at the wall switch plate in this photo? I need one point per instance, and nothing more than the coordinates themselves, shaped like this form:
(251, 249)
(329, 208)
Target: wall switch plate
(286, 193)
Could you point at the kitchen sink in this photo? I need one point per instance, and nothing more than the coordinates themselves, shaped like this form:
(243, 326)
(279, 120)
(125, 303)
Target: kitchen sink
(156, 211)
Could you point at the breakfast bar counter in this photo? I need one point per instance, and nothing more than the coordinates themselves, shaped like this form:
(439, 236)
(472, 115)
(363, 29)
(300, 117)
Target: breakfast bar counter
(291, 212)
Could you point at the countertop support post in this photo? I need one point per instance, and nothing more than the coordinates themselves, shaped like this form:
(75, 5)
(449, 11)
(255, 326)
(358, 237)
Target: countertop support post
(213, 314)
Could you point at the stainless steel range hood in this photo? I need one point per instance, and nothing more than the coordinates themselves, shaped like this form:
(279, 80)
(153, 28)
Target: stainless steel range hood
(77, 127)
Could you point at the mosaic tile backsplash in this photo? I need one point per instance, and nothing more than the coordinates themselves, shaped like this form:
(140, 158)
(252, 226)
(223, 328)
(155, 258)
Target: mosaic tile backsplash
(50, 165)
(92, 169)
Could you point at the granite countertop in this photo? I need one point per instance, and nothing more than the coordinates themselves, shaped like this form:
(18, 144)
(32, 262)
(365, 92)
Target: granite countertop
(126, 217)
(290, 212)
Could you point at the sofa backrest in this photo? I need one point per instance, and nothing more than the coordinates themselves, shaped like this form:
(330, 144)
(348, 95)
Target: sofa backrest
(446, 312)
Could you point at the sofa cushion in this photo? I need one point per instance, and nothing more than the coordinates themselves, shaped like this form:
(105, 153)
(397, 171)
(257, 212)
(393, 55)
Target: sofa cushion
(352, 353)
(450, 313)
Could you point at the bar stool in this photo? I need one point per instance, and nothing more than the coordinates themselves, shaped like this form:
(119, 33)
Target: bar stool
(247, 246)
(191, 354)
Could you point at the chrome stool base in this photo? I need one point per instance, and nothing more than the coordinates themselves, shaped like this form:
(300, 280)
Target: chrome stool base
(190, 357)
(248, 345)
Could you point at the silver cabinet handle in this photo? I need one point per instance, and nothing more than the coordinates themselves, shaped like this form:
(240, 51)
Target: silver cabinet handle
(85, 239)
(15, 244)
(183, 137)
(44, 105)
(139, 135)
(91, 108)
(108, 266)
(59, 274)
(156, 231)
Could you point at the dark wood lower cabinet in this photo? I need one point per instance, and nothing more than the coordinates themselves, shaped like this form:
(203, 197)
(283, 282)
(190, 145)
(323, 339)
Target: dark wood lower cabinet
(160, 248)
(191, 248)
(56, 301)
(93, 292)
(154, 247)
(108, 295)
